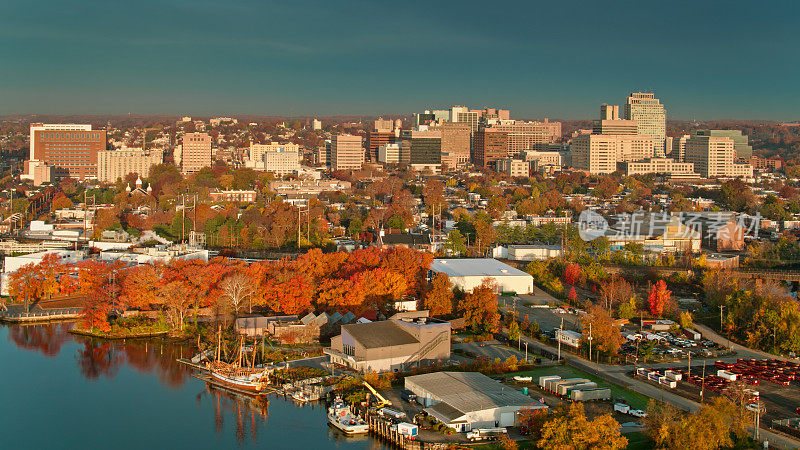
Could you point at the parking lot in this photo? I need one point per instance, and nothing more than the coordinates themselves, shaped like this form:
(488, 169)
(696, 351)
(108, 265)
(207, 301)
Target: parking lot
(774, 383)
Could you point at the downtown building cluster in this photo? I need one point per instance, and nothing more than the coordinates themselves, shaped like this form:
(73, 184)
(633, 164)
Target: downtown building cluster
(631, 139)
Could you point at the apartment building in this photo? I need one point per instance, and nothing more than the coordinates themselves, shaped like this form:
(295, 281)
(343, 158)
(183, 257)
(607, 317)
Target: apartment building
(116, 164)
(514, 167)
(346, 153)
(195, 152)
(69, 149)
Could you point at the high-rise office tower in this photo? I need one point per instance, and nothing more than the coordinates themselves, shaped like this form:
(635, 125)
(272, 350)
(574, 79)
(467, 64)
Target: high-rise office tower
(600, 153)
(70, 149)
(455, 143)
(650, 117)
(676, 147)
(610, 122)
(713, 156)
(346, 152)
(381, 134)
(421, 149)
(740, 141)
(489, 145)
(196, 152)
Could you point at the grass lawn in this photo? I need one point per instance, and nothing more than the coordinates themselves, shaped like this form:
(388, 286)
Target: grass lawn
(638, 440)
(637, 401)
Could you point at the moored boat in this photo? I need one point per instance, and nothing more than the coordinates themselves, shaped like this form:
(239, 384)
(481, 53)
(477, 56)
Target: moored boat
(341, 417)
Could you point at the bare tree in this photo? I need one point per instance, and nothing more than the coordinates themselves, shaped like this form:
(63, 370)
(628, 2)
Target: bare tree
(614, 291)
(237, 288)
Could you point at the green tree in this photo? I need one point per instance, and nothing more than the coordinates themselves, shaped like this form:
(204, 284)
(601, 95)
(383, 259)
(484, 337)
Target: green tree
(455, 242)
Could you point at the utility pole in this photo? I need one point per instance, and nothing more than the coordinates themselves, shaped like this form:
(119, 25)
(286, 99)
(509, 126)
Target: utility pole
(689, 372)
(590, 341)
(703, 382)
(561, 328)
(298, 227)
(526, 351)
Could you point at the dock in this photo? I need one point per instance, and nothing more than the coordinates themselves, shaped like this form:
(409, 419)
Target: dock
(382, 428)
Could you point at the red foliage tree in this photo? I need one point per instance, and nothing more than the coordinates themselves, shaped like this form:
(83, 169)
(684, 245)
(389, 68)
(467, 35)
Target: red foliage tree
(660, 299)
(572, 273)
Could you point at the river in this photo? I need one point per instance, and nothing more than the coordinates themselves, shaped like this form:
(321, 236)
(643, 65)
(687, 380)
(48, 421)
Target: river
(69, 392)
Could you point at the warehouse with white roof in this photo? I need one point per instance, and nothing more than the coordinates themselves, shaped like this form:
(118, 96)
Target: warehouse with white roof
(468, 273)
(467, 400)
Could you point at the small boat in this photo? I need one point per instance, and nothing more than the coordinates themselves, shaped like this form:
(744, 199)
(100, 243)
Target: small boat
(340, 416)
(523, 379)
(300, 396)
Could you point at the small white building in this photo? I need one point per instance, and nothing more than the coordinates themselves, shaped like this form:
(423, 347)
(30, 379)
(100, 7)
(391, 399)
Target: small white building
(568, 337)
(533, 252)
(468, 273)
(467, 400)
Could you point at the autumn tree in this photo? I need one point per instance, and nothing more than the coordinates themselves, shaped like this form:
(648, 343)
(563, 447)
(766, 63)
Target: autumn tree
(614, 291)
(660, 299)
(236, 289)
(605, 334)
(480, 307)
(569, 428)
(708, 429)
(439, 298)
(572, 274)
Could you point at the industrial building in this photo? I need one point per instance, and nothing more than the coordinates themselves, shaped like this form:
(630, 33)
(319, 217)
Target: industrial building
(391, 345)
(467, 400)
(468, 273)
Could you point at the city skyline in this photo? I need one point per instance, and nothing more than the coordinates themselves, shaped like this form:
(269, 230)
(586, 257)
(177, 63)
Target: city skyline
(703, 62)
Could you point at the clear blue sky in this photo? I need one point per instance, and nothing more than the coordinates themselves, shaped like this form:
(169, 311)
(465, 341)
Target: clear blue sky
(561, 59)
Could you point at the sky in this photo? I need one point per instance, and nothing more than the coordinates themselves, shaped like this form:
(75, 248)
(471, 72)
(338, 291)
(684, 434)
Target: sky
(558, 59)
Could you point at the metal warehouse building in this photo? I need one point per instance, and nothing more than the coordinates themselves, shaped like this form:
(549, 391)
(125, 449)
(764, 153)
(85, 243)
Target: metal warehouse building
(468, 273)
(467, 400)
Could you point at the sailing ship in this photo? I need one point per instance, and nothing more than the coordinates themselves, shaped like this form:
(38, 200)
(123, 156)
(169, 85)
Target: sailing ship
(342, 418)
(235, 374)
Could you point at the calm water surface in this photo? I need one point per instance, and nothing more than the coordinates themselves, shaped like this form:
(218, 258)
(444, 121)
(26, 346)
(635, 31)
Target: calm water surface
(63, 391)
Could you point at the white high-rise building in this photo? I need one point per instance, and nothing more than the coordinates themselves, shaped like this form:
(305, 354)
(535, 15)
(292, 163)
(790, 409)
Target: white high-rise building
(316, 124)
(114, 164)
(274, 157)
(346, 152)
(600, 153)
(650, 117)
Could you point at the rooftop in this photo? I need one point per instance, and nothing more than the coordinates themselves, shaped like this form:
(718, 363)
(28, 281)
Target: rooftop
(379, 334)
(487, 267)
(468, 391)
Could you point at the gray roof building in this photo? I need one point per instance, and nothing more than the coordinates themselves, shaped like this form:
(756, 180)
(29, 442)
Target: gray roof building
(466, 400)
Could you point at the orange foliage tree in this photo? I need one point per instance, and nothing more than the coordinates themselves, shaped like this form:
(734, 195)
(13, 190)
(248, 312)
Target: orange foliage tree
(480, 307)
(439, 298)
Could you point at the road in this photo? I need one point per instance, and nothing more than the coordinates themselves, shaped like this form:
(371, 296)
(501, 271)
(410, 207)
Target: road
(617, 374)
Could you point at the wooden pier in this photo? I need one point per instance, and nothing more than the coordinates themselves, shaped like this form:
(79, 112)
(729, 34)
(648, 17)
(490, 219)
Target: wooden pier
(383, 429)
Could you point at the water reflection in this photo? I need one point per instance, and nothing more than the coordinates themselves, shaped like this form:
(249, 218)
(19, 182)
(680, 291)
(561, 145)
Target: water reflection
(246, 412)
(47, 339)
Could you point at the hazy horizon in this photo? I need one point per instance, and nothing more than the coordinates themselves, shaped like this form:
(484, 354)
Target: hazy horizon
(316, 58)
